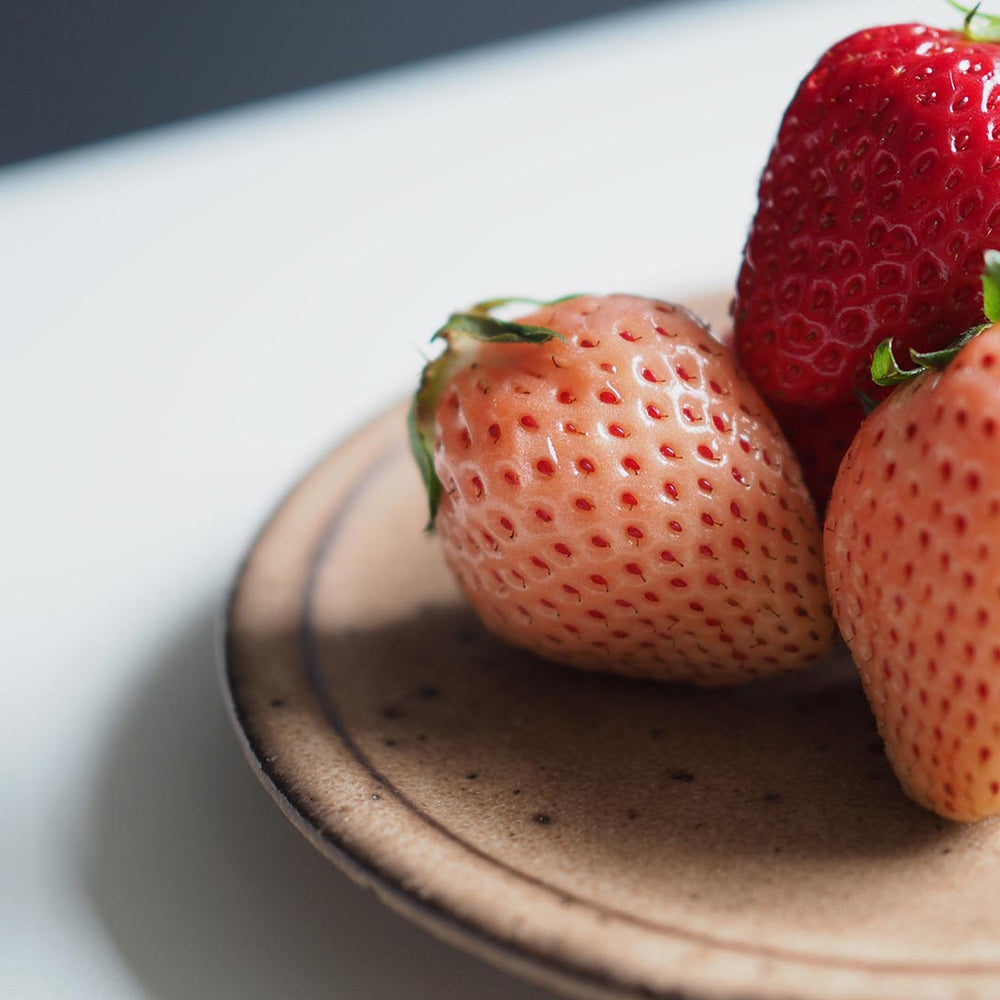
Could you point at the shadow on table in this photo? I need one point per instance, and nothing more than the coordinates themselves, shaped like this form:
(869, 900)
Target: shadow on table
(204, 888)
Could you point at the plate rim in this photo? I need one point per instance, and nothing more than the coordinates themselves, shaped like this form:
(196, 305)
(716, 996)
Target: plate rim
(539, 967)
(550, 966)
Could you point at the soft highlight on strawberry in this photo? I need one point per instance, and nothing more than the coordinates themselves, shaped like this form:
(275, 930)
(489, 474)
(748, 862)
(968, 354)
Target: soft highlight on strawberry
(618, 497)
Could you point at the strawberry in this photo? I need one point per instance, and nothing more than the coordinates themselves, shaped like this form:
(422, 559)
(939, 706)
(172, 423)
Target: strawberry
(819, 439)
(913, 567)
(611, 493)
(880, 195)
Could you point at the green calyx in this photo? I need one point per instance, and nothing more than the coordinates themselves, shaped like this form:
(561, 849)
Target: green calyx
(978, 27)
(885, 368)
(461, 333)
(479, 324)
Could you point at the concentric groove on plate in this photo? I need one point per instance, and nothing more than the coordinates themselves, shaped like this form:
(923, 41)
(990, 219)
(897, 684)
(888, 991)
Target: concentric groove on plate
(311, 665)
(567, 971)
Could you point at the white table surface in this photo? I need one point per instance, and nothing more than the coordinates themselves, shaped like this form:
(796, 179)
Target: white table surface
(188, 318)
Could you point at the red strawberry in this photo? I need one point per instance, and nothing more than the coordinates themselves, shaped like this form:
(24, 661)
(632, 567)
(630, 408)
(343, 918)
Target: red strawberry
(819, 439)
(614, 494)
(880, 195)
(913, 566)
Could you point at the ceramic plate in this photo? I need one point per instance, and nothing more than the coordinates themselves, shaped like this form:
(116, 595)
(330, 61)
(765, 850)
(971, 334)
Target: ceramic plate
(607, 837)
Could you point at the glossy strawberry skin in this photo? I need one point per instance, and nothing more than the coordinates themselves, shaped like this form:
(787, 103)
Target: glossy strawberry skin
(623, 500)
(880, 195)
(913, 569)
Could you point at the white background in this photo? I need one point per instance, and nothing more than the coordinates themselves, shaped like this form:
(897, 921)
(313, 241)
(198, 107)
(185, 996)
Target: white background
(188, 318)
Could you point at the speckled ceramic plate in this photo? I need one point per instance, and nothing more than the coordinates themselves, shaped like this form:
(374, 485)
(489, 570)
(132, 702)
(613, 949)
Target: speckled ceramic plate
(605, 836)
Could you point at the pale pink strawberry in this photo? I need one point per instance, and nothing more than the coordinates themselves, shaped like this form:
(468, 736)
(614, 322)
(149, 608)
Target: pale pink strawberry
(614, 495)
(913, 566)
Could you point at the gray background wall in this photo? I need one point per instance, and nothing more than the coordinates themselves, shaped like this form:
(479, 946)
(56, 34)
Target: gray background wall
(76, 71)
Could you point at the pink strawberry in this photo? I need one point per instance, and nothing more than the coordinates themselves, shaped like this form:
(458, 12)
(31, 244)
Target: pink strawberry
(913, 566)
(880, 195)
(611, 493)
